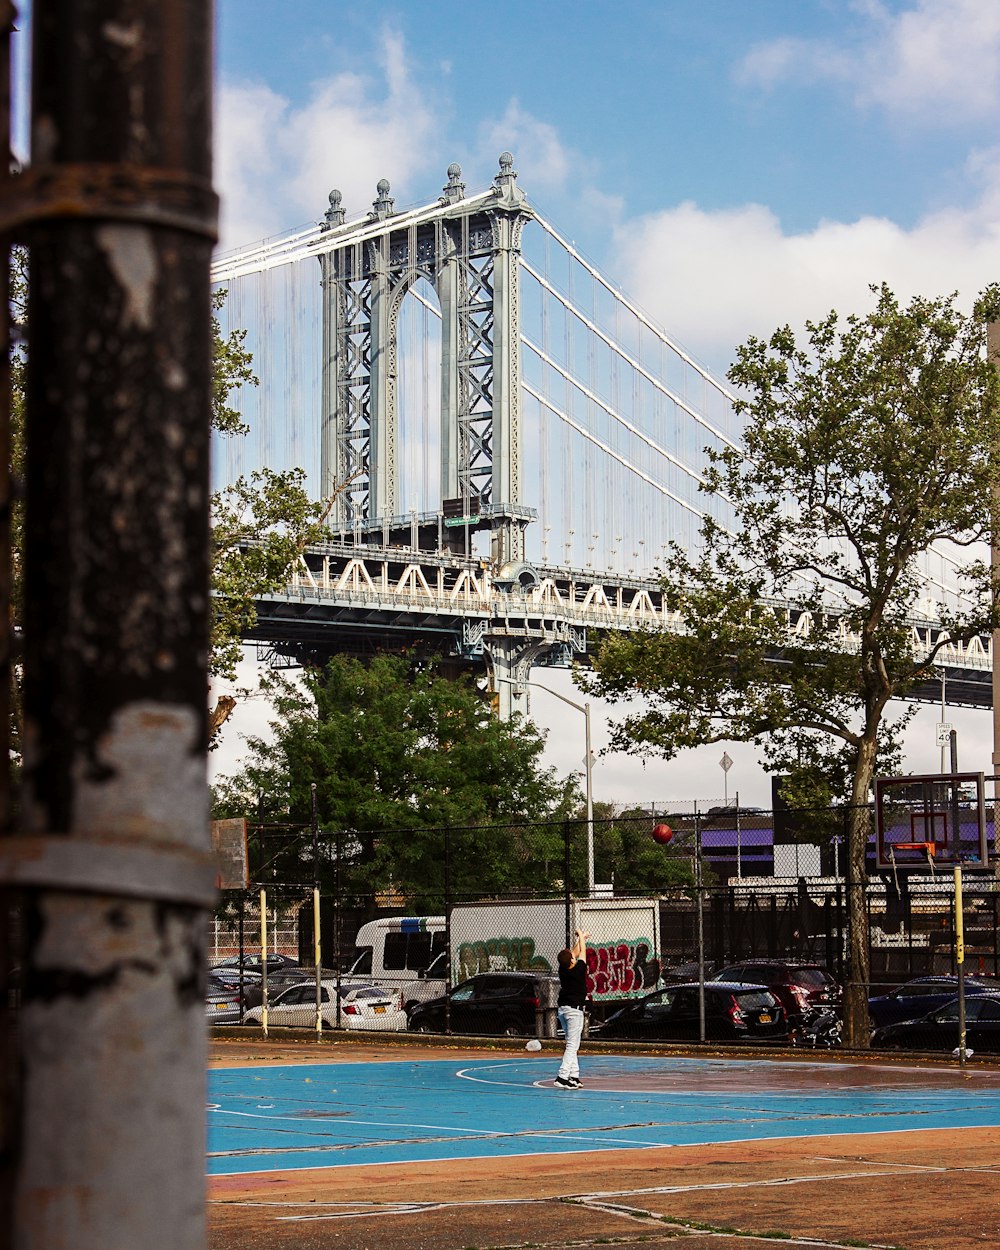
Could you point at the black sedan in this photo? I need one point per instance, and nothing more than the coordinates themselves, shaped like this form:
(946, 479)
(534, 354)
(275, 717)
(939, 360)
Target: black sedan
(939, 1029)
(915, 999)
(733, 1012)
(504, 1004)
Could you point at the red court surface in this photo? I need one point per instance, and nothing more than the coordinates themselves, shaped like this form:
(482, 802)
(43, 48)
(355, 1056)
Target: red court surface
(914, 1189)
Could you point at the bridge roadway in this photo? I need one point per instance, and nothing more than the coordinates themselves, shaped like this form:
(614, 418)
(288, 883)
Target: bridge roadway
(353, 598)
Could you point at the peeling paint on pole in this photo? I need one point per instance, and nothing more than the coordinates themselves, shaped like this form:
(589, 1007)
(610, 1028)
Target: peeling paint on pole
(114, 861)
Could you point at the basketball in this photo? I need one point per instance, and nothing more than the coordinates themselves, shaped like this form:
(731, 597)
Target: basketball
(662, 834)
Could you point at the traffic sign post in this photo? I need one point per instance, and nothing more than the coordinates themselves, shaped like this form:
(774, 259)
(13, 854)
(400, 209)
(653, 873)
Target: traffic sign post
(725, 764)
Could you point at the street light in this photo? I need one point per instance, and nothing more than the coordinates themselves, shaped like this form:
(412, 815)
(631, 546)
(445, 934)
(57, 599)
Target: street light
(588, 764)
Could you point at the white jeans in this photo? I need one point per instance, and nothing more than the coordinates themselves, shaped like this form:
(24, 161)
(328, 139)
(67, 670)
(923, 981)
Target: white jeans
(571, 1018)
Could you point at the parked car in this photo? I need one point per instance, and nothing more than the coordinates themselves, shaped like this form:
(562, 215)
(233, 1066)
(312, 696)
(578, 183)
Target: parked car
(252, 963)
(733, 1012)
(251, 982)
(361, 1007)
(938, 1030)
(502, 1004)
(222, 1002)
(798, 986)
(917, 998)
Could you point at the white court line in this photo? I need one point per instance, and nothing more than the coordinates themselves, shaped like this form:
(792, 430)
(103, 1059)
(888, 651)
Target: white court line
(482, 1134)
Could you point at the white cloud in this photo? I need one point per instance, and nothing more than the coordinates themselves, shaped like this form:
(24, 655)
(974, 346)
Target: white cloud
(277, 161)
(716, 277)
(940, 55)
(542, 160)
(938, 60)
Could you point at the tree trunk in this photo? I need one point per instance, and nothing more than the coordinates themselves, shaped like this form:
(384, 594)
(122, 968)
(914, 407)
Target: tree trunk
(856, 1030)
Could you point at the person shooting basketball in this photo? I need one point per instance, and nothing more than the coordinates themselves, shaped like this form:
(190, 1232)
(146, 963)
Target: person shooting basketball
(572, 1000)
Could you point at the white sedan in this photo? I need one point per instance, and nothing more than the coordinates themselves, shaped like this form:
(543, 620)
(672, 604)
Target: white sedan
(361, 1007)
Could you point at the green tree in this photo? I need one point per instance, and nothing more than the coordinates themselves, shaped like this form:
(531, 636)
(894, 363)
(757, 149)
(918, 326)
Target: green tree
(399, 754)
(862, 449)
(625, 854)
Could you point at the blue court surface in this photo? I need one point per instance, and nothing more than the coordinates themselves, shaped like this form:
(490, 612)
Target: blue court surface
(333, 1115)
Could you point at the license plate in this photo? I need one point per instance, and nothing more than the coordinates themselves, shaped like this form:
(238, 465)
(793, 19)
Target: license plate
(764, 1017)
(380, 1010)
(224, 1006)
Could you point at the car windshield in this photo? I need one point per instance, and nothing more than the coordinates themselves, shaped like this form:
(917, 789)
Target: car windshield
(753, 1000)
(814, 977)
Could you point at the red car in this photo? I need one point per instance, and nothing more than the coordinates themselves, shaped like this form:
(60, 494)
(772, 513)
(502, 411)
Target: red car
(799, 986)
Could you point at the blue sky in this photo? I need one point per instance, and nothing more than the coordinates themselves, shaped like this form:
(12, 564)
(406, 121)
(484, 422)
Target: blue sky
(732, 165)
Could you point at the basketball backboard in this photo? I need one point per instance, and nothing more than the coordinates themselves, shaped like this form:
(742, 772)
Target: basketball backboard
(929, 822)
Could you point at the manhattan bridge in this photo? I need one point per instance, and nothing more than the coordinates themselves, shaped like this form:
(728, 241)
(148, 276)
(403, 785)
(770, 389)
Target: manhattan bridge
(511, 441)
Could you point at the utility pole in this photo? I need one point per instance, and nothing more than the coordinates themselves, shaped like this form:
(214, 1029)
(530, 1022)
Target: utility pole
(993, 353)
(113, 862)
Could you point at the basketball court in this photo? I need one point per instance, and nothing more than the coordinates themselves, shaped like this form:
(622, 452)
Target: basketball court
(396, 1146)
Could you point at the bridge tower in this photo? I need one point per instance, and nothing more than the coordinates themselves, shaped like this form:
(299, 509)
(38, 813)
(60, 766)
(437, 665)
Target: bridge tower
(468, 249)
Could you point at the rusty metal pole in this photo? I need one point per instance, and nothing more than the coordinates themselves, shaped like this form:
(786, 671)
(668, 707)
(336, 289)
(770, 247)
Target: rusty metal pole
(9, 1095)
(113, 861)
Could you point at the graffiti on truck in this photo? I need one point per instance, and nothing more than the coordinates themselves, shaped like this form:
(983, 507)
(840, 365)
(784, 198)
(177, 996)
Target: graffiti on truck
(621, 969)
(501, 954)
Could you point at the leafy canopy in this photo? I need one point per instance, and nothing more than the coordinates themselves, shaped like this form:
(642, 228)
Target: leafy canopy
(861, 450)
(398, 754)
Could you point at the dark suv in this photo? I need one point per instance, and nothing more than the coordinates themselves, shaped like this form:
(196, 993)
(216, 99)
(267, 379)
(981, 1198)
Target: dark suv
(504, 1004)
(798, 986)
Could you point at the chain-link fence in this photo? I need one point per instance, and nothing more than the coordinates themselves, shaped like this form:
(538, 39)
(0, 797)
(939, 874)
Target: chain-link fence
(461, 926)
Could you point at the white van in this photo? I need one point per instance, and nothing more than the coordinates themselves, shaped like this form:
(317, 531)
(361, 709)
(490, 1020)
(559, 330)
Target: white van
(405, 953)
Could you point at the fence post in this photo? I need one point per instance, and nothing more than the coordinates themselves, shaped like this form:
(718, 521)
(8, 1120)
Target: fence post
(337, 923)
(317, 938)
(447, 926)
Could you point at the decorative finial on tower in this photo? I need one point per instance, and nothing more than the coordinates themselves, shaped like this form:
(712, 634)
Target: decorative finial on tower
(334, 215)
(505, 183)
(455, 190)
(384, 205)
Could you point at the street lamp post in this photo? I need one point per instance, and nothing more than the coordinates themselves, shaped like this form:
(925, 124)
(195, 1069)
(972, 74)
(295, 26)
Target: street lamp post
(588, 766)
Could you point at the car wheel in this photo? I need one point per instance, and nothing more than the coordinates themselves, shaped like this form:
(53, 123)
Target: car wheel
(421, 1026)
(512, 1029)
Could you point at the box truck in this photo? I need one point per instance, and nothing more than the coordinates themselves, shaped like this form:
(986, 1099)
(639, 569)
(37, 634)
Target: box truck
(623, 950)
(407, 953)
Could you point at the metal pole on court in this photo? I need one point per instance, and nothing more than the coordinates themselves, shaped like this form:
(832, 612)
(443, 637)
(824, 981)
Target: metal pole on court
(701, 925)
(960, 961)
(113, 863)
(317, 947)
(263, 959)
(338, 902)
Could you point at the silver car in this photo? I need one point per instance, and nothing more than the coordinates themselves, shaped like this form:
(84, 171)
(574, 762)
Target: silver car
(361, 1007)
